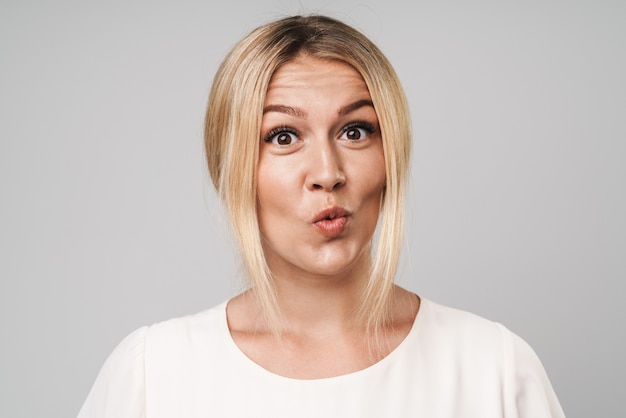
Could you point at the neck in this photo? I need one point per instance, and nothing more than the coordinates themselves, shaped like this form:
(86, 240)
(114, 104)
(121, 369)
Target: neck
(320, 303)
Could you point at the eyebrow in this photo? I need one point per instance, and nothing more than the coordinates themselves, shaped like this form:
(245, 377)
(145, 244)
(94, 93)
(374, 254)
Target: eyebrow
(297, 112)
(292, 111)
(354, 106)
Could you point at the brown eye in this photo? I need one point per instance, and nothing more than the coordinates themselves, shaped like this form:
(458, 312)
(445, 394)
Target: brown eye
(284, 138)
(357, 131)
(353, 133)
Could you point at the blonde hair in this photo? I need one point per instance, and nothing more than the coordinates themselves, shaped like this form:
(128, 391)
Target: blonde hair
(232, 131)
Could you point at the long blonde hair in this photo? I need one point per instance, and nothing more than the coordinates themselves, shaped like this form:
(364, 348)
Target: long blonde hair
(232, 131)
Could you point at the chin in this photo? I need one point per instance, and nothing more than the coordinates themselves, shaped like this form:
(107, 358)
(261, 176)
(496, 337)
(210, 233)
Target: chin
(337, 264)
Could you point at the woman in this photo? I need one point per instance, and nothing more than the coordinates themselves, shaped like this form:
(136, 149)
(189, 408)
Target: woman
(307, 139)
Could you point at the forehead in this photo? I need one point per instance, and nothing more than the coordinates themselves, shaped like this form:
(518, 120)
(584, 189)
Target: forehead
(316, 75)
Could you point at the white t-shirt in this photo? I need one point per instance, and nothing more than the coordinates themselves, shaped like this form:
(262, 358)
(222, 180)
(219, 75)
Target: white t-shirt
(452, 364)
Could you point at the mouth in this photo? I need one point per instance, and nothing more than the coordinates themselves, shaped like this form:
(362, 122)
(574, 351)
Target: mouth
(332, 221)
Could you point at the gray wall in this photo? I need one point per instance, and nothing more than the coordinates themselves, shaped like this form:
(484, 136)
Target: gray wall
(108, 220)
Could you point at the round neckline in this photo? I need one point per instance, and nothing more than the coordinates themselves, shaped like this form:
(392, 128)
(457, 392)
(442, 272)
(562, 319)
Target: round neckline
(253, 366)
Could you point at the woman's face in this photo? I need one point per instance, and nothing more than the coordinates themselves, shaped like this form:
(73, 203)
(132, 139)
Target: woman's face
(321, 171)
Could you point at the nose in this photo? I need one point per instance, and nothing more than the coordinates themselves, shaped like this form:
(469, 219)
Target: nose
(324, 167)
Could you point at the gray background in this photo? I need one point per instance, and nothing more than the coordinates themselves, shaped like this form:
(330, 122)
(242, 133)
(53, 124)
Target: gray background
(108, 221)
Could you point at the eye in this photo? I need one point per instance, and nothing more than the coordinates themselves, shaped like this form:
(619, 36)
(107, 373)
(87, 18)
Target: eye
(281, 136)
(357, 131)
(354, 134)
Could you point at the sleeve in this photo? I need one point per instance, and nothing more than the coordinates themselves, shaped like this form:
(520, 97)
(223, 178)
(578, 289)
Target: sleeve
(119, 390)
(529, 392)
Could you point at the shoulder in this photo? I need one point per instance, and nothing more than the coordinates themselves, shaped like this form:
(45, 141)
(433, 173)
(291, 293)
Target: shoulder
(464, 329)
(486, 353)
(471, 331)
(147, 356)
(204, 324)
(465, 334)
(119, 389)
(180, 340)
(185, 330)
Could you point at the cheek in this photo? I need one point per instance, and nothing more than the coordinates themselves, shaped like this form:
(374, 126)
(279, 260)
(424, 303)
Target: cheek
(276, 190)
(375, 177)
(381, 170)
(267, 178)
(377, 183)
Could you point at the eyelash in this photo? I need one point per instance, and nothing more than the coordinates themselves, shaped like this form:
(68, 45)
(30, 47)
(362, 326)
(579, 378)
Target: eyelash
(279, 130)
(359, 124)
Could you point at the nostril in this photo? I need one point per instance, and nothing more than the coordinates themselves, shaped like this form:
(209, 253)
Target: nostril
(327, 182)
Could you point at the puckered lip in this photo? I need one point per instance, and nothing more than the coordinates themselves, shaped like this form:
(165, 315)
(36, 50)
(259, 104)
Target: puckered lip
(331, 213)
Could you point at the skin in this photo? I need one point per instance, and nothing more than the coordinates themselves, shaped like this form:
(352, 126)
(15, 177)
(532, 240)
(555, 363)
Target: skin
(320, 148)
(320, 168)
